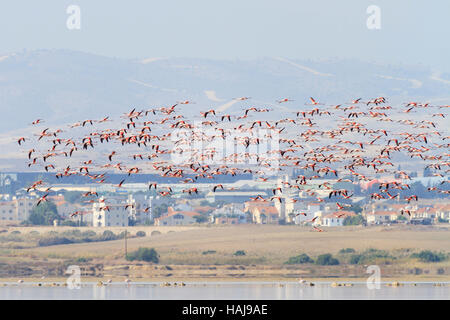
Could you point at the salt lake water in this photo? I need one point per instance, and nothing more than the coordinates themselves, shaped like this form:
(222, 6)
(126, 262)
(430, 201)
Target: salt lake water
(226, 291)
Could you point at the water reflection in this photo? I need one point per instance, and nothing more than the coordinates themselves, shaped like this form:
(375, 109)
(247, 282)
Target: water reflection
(223, 291)
(98, 292)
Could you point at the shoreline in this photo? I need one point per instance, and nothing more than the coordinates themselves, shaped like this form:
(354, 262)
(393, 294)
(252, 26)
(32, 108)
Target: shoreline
(197, 280)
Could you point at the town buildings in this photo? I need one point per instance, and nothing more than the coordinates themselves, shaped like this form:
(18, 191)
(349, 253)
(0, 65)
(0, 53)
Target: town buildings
(336, 219)
(176, 218)
(111, 214)
(17, 209)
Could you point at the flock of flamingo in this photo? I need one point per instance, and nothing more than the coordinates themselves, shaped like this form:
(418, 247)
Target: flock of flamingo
(355, 141)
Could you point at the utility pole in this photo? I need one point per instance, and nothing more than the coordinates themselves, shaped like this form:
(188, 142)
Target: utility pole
(126, 244)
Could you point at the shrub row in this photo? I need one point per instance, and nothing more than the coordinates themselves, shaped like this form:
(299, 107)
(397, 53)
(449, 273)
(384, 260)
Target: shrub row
(322, 260)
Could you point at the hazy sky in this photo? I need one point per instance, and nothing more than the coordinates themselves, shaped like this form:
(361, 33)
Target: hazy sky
(412, 32)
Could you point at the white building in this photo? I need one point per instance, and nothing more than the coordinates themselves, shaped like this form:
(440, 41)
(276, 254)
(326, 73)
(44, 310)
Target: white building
(379, 217)
(443, 211)
(306, 212)
(109, 214)
(336, 219)
(231, 210)
(140, 207)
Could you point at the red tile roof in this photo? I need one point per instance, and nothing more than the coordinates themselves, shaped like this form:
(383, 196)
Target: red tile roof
(266, 210)
(384, 213)
(173, 213)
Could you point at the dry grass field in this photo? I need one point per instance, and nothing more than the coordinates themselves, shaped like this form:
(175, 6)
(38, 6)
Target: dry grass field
(272, 244)
(267, 247)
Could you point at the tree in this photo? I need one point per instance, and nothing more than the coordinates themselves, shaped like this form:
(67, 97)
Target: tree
(159, 210)
(200, 219)
(300, 259)
(108, 235)
(356, 208)
(429, 256)
(346, 250)
(44, 214)
(354, 220)
(53, 241)
(144, 254)
(356, 259)
(72, 196)
(442, 220)
(326, 260)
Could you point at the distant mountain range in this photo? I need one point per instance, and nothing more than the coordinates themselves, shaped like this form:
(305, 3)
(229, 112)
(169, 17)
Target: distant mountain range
(64, 86)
